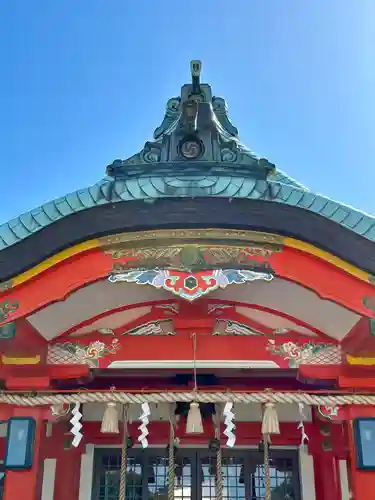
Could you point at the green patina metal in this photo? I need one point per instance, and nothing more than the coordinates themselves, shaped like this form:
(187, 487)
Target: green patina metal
(195, 152)
(8, 331)
(369, 303)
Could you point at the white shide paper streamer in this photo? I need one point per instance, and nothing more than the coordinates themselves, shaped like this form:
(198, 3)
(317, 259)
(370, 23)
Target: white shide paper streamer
(229, 425)
(146, 412)
(77, 426)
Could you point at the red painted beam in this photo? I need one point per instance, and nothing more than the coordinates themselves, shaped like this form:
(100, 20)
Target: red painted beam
(66, 372)
(247, 433)
(230, 313)
(26, 343)
(325, 279)
(360, 341)
(89, 321)
(319, 372)
(39, 377)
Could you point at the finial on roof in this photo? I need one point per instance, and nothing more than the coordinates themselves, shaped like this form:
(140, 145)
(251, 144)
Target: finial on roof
(190, 107)
(196, 130)
(196, 69)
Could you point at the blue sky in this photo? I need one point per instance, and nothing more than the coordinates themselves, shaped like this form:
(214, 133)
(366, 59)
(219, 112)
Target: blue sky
(84, 82)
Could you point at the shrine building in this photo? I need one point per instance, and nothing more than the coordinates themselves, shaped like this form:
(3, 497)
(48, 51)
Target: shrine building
(195, 326)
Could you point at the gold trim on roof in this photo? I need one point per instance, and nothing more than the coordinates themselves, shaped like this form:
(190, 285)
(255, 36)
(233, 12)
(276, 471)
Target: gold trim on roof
(172, 237)
(7, 360)
(360, 360)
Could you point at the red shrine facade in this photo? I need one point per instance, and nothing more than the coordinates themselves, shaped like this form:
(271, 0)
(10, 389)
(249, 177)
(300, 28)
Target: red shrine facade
(195, 326)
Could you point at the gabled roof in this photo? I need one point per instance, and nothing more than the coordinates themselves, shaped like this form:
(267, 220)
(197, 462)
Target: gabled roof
(195, 152)
(156, 186)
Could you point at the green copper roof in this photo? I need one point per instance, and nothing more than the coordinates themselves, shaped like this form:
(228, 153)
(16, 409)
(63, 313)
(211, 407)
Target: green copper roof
(195, 152)
(153, 186)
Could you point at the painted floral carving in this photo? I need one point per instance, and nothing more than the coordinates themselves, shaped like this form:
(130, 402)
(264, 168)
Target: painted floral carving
(74, 352)
(233, 328)
(295, 353)
(194, 258)
(158, 328)
(7, 307)
(329, 412)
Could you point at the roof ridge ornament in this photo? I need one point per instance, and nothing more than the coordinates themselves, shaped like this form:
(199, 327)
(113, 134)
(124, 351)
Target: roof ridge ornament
(196, 69)
(195, 134)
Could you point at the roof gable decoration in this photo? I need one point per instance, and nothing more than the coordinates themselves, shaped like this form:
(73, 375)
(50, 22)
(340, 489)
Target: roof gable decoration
(195, 152)
(281, 350)
(190, 285)
(195, 128)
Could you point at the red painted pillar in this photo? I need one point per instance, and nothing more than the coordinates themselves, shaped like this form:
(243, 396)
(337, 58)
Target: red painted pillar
(26, 484)
(362, 483)
(327, 476)
(319, 489)
(68, 464)
(68, 461)
(327, 446)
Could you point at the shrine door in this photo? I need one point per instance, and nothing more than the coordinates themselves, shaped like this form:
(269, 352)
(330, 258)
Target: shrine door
(243, 475)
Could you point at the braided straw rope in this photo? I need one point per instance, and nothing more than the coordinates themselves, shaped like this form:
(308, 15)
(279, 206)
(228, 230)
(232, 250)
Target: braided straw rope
(267, 476)
(171, 461)
(122, 495)
(173, 397)
(219, 474)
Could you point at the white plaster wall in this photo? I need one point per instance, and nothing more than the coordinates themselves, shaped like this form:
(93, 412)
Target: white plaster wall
(3, 429)
(343, 468)
(306, 470)
(49, 474)
(87, 471)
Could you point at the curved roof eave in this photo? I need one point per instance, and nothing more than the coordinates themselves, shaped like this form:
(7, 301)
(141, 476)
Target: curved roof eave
(152, 187)
(195, 153)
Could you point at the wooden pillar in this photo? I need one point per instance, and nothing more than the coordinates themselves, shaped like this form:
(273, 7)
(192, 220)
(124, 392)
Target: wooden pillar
(68, 464)
(26, 484)
(327, 447)
(327, 476)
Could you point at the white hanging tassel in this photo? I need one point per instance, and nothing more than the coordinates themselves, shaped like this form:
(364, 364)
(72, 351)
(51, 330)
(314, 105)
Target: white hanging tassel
(270, 424)
(229, 425)
(146, 412)
(110, 420)
(194, 424)
(77, 426)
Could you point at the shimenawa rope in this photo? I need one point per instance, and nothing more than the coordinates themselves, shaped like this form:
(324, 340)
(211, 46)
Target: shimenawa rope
(173, 397)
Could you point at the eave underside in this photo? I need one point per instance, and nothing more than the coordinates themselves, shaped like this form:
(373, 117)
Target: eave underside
(275, 304)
